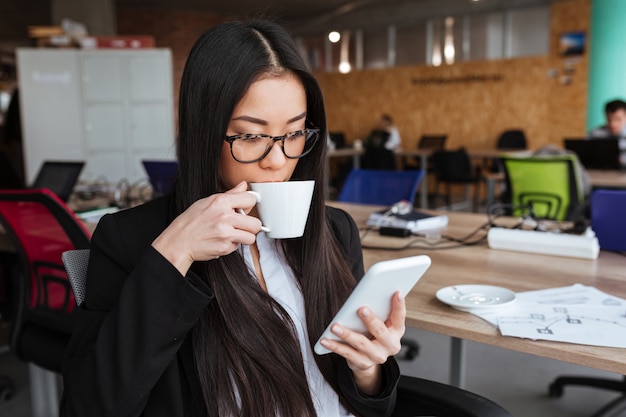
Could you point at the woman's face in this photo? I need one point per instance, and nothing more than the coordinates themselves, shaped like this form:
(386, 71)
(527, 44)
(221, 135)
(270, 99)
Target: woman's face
(272, 106)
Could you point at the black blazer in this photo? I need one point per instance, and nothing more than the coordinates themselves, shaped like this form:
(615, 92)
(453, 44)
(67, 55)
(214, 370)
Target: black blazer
(130, 354)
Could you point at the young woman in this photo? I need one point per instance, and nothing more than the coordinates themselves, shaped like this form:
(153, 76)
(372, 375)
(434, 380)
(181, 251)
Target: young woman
(190, 310)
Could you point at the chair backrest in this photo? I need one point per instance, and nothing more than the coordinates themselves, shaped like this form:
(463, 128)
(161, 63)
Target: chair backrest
(608, 220)
(452, 165)
(75, 262)
(41, 227)
(161, 174)
(548, 183)
(422, 397)
(433, 142)
(512, 139)
(384, 187)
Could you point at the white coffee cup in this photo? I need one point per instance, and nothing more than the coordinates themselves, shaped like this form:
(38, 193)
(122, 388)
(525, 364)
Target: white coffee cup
(283, 207)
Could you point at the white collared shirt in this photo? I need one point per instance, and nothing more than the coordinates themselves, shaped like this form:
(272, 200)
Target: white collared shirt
(282, 286)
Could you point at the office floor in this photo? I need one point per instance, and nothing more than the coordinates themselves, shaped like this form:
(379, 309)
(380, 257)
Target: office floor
(517, 381)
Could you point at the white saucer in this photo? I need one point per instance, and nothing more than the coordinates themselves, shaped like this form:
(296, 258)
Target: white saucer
(475, 297)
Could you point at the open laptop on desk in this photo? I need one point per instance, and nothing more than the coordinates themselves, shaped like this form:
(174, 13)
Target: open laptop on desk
(161, 174)
(595, 153)
(60, 177)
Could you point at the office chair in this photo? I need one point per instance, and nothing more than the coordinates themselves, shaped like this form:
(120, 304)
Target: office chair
(454, 167)
(383, 187)
(416, 396)
(549, 184)
(609, 224)
(76, 262)
(508, 140)
(512, 139)
(422, 397)
(7, 262)
(607, 218)
(41, 227)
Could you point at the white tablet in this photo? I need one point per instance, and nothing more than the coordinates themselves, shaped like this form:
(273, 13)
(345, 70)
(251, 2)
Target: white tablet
(375, 290)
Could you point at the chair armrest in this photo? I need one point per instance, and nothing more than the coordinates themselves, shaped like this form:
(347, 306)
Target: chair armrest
(421, 397)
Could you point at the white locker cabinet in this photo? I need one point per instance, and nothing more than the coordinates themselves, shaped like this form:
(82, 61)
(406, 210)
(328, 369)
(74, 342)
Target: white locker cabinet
(111, 108)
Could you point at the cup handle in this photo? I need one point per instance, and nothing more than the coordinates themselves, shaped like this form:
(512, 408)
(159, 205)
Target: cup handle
(258, 199)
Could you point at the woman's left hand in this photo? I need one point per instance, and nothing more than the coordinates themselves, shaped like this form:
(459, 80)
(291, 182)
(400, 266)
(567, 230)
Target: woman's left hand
(365, 353)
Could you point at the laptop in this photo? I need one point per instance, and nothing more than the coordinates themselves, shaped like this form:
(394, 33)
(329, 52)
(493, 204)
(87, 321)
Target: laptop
(595, 153)
(60, 177)
(161, 174)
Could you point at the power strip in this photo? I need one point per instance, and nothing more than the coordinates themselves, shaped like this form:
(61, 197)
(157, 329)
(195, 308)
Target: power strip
(547, 243)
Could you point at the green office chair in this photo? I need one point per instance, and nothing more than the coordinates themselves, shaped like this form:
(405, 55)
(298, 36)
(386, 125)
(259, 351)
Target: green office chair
(550, 184)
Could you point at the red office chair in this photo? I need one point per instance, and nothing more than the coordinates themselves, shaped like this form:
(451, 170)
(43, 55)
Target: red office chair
(41, 227)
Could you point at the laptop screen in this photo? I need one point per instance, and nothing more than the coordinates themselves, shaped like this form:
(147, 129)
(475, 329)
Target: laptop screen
(595, 153)
(161, 175)
(59, 177)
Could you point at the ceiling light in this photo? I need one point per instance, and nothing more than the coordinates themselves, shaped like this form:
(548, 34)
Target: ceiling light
(334, 36)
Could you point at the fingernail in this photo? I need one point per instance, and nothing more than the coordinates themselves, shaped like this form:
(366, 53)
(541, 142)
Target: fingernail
(366, 312)
(337, 330)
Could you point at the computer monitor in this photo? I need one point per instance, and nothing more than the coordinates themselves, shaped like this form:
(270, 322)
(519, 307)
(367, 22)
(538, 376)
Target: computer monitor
(60, 177)
(161, 174)
(595, 153)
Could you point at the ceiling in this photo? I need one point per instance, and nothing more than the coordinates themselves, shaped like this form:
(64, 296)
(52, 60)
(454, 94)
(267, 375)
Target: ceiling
(318, 16)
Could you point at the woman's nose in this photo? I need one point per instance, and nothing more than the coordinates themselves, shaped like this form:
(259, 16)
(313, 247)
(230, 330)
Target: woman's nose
(276, 157)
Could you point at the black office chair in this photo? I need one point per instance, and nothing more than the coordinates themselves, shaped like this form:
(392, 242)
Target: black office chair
(455, 168)
(41, 227)
(511, 139)
(7, 264)
(421, 397)
(416, 396)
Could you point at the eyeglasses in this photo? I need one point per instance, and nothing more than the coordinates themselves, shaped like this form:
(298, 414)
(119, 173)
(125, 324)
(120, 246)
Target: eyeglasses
(252, 147)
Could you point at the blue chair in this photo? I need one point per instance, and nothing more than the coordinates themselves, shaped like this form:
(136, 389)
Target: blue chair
(381, 187)
(607, 218)
(609, 225)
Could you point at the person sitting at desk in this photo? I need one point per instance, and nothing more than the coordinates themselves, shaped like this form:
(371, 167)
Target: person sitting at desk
(381, 144)
(615, 127)
(190, 310)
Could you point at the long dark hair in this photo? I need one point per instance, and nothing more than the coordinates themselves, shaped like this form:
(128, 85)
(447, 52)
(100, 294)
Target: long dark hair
(245, 345)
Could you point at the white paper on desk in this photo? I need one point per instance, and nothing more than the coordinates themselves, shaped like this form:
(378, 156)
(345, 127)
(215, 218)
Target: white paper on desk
(576, 294)
(594, 325)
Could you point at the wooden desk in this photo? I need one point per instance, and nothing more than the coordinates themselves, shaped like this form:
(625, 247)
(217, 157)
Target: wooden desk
(607, 179)
(515, 270)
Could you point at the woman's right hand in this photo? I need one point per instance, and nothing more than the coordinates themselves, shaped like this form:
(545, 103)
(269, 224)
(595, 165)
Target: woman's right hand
(211, 227)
